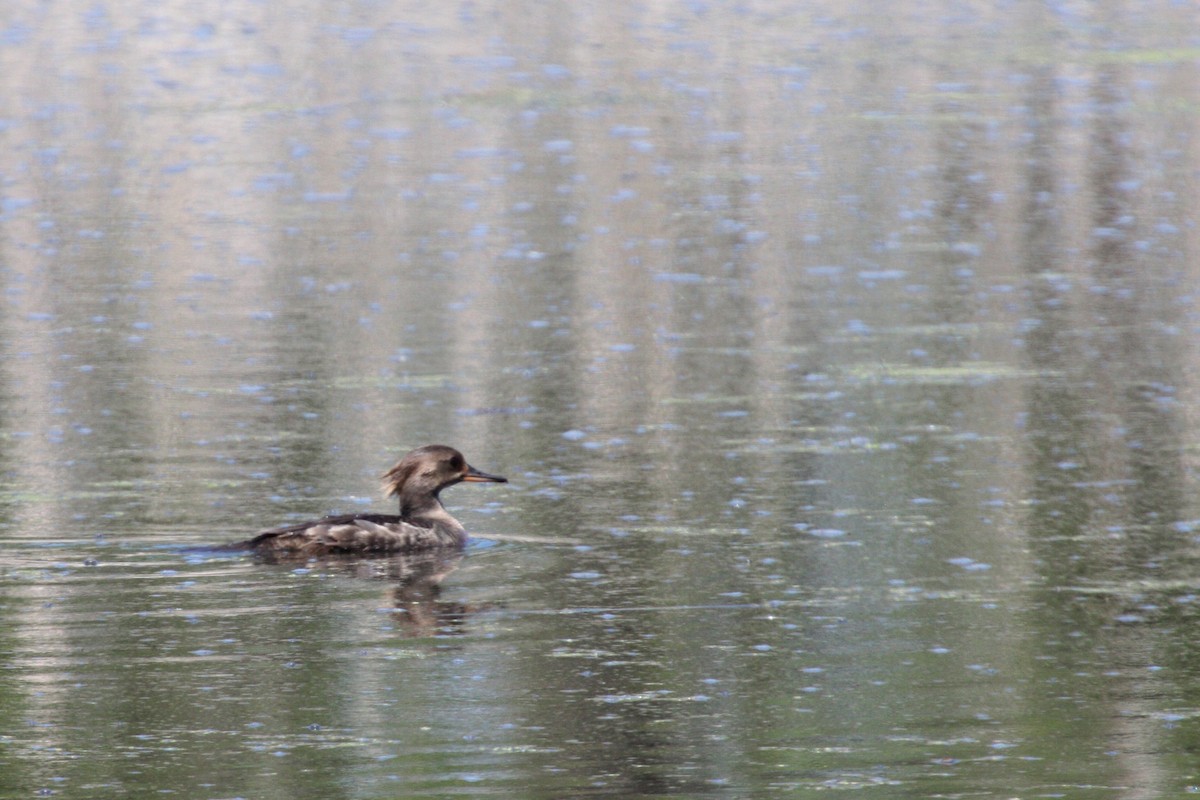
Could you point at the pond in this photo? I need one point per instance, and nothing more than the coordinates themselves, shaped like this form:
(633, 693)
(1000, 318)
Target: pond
(836, 356)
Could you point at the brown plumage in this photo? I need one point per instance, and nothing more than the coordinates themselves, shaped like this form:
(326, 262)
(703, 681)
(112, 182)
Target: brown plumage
(423, 522)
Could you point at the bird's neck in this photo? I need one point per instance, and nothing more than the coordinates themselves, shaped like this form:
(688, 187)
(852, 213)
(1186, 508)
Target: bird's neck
(425, 507)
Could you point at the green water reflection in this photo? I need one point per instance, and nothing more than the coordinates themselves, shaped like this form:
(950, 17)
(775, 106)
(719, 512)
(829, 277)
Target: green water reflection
(838, 358)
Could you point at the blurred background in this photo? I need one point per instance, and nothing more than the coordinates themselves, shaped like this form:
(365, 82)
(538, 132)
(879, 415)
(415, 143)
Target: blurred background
(837, 355)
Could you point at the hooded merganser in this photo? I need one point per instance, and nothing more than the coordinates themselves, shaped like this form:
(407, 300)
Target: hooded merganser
(423, 522)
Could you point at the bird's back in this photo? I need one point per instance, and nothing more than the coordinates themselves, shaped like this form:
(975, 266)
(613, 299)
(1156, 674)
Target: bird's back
(355, 533)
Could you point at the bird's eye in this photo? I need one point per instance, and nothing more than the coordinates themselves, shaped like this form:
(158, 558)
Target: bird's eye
(457, 464)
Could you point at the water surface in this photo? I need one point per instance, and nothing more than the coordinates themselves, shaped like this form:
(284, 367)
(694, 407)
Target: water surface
(837, 357)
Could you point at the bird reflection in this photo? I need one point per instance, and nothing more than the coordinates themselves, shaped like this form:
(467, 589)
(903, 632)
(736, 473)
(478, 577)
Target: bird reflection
(415, 598)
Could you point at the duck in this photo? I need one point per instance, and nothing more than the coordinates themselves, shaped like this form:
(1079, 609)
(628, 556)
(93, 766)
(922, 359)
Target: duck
(422, 524)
